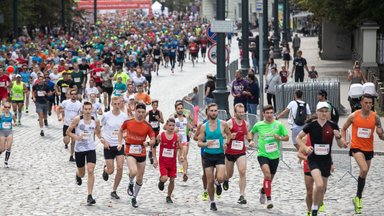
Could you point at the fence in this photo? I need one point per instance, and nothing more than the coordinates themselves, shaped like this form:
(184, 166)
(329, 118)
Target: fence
(231, 70)
(285, 92)
(380, 49)
(371, 77)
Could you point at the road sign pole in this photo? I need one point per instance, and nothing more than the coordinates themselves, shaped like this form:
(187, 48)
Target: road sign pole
(261, 65)
(244, 38)
(221, 93)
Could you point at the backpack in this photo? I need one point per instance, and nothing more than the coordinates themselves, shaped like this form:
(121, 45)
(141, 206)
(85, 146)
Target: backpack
(334, 114)
(301, 114)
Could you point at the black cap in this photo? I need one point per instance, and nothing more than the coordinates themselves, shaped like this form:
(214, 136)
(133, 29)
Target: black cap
(323, 93)
(140, 106)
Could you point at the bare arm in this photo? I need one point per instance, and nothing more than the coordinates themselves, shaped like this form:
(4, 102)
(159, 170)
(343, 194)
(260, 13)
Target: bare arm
(282, 113)
(303, 148)
(346, 125)
(201, 138)
(97, 129)
(73, 125)
(379, 129)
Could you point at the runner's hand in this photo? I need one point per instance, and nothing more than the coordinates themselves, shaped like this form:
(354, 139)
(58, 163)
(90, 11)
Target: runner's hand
(336, 133)
(210, 142)
(119, 146)
(155, 162)
(233, 135)
(251, 144)
(277, 137)
(309, 150)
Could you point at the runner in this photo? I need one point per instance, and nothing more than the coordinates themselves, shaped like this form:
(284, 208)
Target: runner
(204, 44)
(40, 96)
(270, 133)
(107, 87)
(182, 125)
(79, 78)
(155, 118)
(6, 134)
(96, 105)
(181, 54)
(147, 72)
(236, 150)
(91, 89)
(169, 142)
(120, 88)
(5, 83)
(83, 129)
(64, 86)
(364, 122)
(157, 53)
(194, 51)
(68, 110)
(19, 90)
(211, 138)
(141, 96)
(26, 79)
(137, 131)
(321, 133)
(111, 123)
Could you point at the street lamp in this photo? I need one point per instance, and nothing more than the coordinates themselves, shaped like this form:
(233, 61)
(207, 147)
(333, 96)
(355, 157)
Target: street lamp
(245, 40)
(276, 36)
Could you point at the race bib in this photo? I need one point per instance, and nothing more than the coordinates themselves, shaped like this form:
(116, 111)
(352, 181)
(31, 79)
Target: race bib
(157, 56)
(64, 89)
(18, 96)
(115, 134)
(168, 152)
(77, 79)
(154, 124)
(120, 91)
(85, 135)
(6, 125)
(321, 149)
(363, 132)
(135, 149)
(237, 145)
(98, 74)
(216, 144)
(2, 84)
(271, 147)
(40, 93)
(181, 131)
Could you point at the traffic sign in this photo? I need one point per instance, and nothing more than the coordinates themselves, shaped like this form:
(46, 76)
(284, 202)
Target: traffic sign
(222, 26)
(212, 36)
(212, 54)
(259, 7)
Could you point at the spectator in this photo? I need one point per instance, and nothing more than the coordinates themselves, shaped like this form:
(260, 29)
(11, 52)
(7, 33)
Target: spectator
(284, 74)
(296, 44)
(239, 87)
(194, 99)
(253, 94)
(286, 55)
(312, 74)
(269, 66)
(273, 80)
(209, 88)
(298, 67)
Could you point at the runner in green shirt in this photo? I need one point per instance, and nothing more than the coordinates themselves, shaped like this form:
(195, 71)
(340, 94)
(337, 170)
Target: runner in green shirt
(271, 133)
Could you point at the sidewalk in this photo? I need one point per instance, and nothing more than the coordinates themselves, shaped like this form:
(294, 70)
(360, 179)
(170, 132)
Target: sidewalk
(326, 69)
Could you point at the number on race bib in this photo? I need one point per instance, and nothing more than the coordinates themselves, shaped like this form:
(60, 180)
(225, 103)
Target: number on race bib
(216, 144)
(364, 133)
(115, 134)
(40, 93)
(18, 96)
(321, 149)
(169, 153)
(64, 89)
(6, 125)
(135, 149)
(86, 135)
(2, 84)
(271, 147)
(237, 145)
(77, 79)
(154, 124)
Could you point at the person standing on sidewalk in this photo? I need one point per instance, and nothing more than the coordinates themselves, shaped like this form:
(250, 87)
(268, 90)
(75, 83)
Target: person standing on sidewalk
(253, 94)
(297, 120)
(299, 63)
(296, 42)
(111, 123)
(321, 133)
(83, 129)
(271, 133)
(209, 87)
(238, 91)
(236, 150)
(364, 122)
(211, 138)
(273, 79)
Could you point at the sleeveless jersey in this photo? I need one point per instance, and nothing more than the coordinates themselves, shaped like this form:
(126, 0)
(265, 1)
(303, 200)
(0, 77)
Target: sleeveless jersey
(17, 91)
(155, 124)
(6, 122)
(236, 146)
(182, 126)
(362, 131)
(168, 149)
(217, 137)
(87, 132)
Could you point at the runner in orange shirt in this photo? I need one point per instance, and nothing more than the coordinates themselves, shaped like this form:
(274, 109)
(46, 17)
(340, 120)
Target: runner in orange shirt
(141, 96)
(363, 123)
(137, 130)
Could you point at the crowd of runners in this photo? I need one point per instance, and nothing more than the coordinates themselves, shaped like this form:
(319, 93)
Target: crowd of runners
(97, 80)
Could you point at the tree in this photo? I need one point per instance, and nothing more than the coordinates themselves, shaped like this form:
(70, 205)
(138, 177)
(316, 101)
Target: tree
(346, 13)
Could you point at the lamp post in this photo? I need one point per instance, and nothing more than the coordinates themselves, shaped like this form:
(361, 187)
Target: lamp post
(15, 18)
(276, 35)
(244, 37)
(288, 17)
(285, 40)
(63, 14)
(221, 92)
(95, 11)
(265, 32)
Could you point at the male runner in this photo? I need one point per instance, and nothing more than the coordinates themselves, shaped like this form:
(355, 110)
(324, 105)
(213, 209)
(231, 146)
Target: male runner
(155, 118)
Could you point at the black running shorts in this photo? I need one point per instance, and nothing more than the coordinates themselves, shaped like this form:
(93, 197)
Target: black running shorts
(211, 160)
(81, 156)
(113, 152)
(272, 163)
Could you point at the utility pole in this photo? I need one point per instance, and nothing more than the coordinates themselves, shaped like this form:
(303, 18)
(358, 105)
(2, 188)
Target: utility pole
(285, 39)
(276, 35)
(15, 18)
(221, 92)
(244, 37)
(63, 14)
(265, 33)
(95, 11)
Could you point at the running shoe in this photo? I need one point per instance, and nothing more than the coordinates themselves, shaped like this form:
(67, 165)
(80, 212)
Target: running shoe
(71, 158)
(219, 190)
(130, 189)
(46, 122)
(269, 204)
(41, 133)
(322, 208)
(204, 197)
(357, 202)
(242, 200)
(78, 180)
(213, 207)
(226, 185)
(6, 164)
(185, 178)
(66, 146)
(114, 195)
(19, 123)
(309, 213)
(134, 202)
(26, 110)
(181, 170)
(262, 197)
(161, 185)
(168, 199)
(90, 200)
(150, 156)
(49, 113)
(105, 174)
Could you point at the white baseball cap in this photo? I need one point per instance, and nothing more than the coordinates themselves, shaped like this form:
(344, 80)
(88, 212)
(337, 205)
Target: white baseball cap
(322, 104)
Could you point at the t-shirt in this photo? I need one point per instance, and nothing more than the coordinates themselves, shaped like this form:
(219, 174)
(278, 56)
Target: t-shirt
(90, 90)
(64, 85)
(124, 77)
(4, 80)
(269, 147)
(312, 74)
(78, 78)
(211, 85)
(38, 91)
(299, 63)
(143, 97)
(137, 133)
(292, 106)
(111, 126)
(120, 88)
(71, 110)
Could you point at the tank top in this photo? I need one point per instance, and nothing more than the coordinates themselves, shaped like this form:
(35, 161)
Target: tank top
(236, 146)
(6, 122)
(217, 137)
(155, 124)
(87, 131)
(168, 149)
(182, 126)
(362, 131)
(156, 53)
(17, 91)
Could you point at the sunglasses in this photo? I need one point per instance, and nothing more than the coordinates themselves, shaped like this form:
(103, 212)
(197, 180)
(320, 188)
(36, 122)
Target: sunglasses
(7, 107)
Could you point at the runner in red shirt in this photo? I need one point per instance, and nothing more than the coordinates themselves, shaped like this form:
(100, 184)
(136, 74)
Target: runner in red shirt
(194, 51)
(5, 84)
(96, 75)
(169, 143)
(137, 130)
(204, 44)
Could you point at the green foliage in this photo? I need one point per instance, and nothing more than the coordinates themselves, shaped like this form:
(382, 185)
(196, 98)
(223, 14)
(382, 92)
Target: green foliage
(346, 13)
